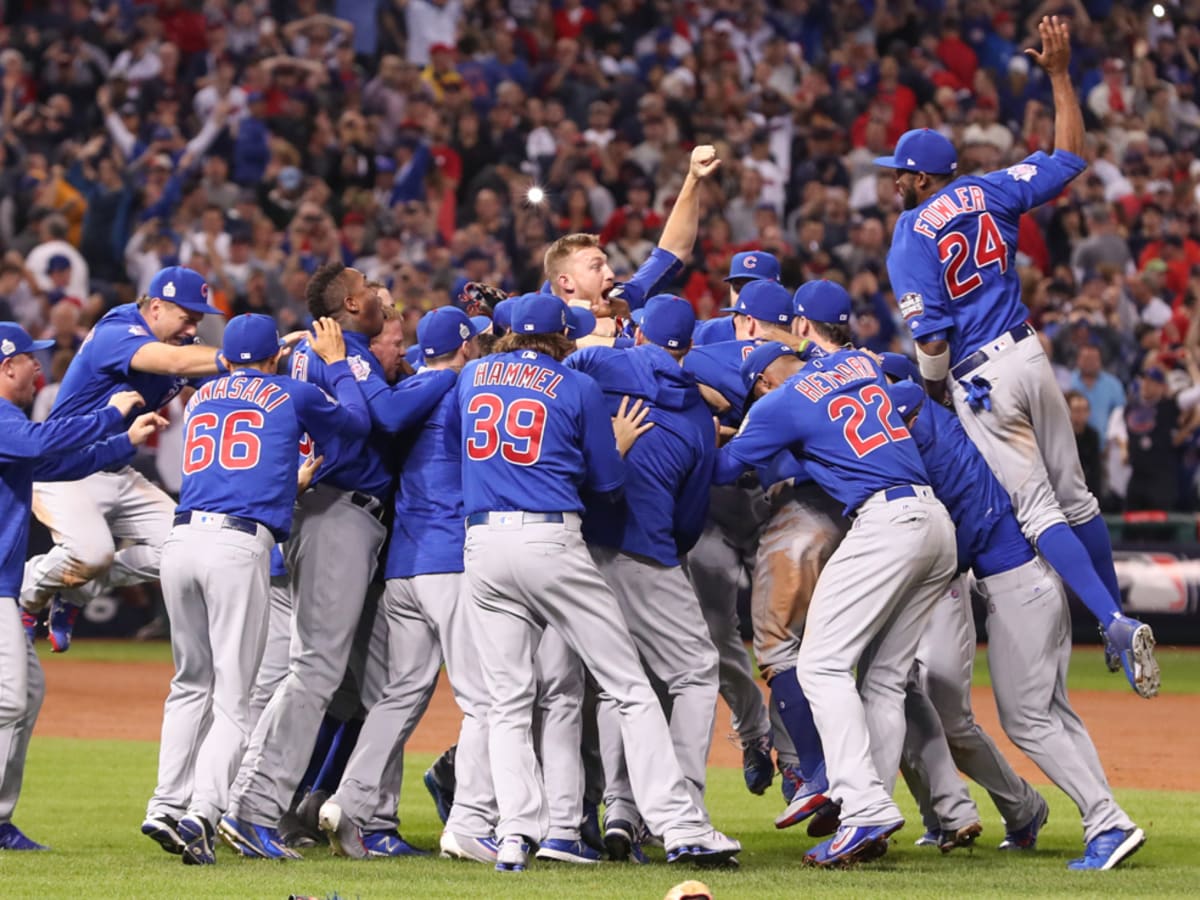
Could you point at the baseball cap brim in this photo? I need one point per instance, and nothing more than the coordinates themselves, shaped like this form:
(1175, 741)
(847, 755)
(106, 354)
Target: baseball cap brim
(742, 276)
(39, 345)
(580, 322)
(480, 324)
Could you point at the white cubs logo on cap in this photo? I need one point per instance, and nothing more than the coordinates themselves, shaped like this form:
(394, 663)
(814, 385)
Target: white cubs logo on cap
(169, 289)
(204, 290)
(8, 348)
(750, 262)
(464, 330)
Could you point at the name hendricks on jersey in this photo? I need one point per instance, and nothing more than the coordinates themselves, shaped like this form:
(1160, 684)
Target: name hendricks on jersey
(817, 384)
(945, 207)
(267, 396)
(522, 375)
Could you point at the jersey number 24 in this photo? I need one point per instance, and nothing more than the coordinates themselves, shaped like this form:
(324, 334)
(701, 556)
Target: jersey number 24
(233, 443)
(515, 429)
(954, 249)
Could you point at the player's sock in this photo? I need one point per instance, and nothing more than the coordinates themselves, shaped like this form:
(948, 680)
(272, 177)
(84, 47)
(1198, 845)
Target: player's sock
(325, 737)
(797, 718)
(1093, 534)
(344, 742)
(1066, 553)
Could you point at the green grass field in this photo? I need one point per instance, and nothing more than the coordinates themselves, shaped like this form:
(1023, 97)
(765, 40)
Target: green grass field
(87, 798)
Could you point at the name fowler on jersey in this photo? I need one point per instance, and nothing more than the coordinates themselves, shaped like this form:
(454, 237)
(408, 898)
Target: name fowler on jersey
(267, 397)
(522, 375)
(816, 385)
(943, 209)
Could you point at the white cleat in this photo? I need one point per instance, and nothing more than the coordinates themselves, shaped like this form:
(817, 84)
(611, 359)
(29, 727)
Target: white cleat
(472, 849)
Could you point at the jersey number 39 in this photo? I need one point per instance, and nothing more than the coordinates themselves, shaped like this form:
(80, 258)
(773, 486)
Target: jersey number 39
(233, 443)
(514, 430)
(954, 250)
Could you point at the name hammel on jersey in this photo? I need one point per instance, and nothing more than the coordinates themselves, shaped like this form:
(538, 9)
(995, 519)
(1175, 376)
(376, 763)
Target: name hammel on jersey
(522, 375)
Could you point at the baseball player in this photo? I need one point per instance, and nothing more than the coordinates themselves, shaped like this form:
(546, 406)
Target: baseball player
(428, 617)
(67, 448)
(638, 541)
(535, 434)
(146, 347)
(744, 268)
(875, 593)
(761, 310)
(1028, 651)
(951, 266)
(331, 557)
(235, 503)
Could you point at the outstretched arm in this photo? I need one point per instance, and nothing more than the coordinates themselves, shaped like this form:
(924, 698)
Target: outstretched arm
(1055, 58)
(679, 232)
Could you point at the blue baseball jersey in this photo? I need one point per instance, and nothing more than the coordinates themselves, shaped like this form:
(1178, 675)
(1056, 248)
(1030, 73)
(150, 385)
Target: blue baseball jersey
(354, 462)
(658, 269)
(241, 435)
(534, 435)
(962, 480)
(719, 366)
(62, 449)
(668, 471)
(836, 415)
(101, 368)
(713, 331)
(951, 261)
(428, 531)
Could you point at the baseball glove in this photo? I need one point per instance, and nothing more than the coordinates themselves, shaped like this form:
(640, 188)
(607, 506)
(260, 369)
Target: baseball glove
(479, 299)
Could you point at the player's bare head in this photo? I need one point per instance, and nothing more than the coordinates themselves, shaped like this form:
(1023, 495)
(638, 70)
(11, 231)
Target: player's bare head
(578, 269)
(556, 346)
(169, 322)
(345, 294)
(388, 345)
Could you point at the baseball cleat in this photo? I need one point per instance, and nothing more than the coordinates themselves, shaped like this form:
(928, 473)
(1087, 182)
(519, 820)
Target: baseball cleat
(589, 831)
(929, 839)
(960, 837)
(620, 838)
(1108, 849)
(440, 782)
(826, 820)
(512, 855)
(789, 781)
(164, 830)
(474, 849)
(389, 843)
(29, 621)
(1132, 643)
(253, 841)
(808, 799)
(61, 623)
(757, 765)
(1025, 837)
(709, 849)
(12, 838)
(197, 836)
(345, 838)
(561, 850)
(852, 844)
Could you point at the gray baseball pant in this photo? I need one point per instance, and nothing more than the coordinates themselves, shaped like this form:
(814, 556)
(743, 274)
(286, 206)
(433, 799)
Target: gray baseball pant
(945, 657)
(525, 577)
(670, 634)
(558, 732)
(425, 618)
(215, 584)
(1029, 650)
(869, 611)
(86, 517)
(22, 689)
(331, 557)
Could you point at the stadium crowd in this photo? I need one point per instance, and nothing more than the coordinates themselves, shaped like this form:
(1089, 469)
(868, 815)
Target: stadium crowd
(253, 141)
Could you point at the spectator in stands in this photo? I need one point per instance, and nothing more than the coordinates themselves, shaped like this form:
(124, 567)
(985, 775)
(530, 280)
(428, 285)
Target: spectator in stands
(1102, 391)
(1087, 441)
(1151, 421)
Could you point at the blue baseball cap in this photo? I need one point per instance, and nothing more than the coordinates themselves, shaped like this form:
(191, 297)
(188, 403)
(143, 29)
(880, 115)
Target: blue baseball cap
(667, 320)
(443, 331)
(822, 301)
(754, 265)
(899, 366)
(250, 338)
(922, 150)
(760, 358)
(539, 314)
(481, 323)
(59, 262)
(15, 340)
(580, 322)
(907, 397)
(502, 316)
(767, 301)
(183, 287)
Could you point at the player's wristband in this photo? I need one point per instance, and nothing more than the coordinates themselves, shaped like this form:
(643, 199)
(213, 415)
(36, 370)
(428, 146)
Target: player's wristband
(933, 368)
(222, 369)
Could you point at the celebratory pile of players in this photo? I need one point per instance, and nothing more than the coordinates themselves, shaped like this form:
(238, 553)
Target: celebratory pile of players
(569, 488)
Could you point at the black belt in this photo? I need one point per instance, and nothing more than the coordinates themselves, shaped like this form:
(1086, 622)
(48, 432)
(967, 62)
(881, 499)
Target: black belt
(979, 357)
(232, 523)
(527, 518)
(373, 505)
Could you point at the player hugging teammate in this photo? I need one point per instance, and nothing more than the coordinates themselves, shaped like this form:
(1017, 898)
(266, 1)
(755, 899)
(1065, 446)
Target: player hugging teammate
(569, 530)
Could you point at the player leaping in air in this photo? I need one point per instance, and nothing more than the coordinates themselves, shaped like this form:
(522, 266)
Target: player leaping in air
(951, 267)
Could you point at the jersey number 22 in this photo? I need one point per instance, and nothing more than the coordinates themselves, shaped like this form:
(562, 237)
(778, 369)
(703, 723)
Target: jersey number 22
(854, 409)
